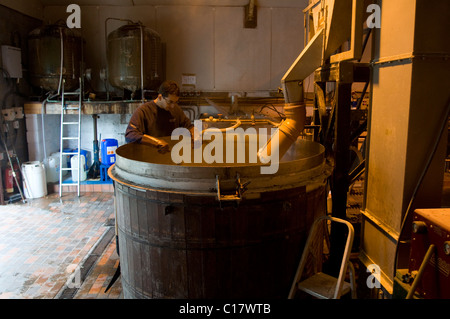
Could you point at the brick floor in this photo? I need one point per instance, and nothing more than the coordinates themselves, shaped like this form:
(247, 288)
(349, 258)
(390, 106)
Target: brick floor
(43, 241)
(101, 275)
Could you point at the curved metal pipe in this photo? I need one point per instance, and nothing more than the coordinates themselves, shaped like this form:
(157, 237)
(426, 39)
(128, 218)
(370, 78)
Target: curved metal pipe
(253, 121)
(287, 133)
(222, 130)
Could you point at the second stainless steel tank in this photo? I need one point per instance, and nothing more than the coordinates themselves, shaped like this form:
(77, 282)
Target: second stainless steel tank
(125, 55)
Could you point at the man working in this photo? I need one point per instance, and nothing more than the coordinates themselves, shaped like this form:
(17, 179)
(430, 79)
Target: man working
(158, 118)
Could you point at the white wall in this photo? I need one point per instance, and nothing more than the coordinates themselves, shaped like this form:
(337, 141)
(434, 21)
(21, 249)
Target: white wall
(33, 8)
(108, 126)
(209, 41)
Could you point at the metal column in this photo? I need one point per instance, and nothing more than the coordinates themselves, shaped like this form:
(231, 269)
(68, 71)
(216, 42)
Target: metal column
(344, 74)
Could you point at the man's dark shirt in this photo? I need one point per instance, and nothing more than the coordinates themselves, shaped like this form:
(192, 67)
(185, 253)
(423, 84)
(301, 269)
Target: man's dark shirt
(152, 120)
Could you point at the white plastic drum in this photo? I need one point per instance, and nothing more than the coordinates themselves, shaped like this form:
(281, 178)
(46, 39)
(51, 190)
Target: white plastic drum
(74, 165)
(34, 180)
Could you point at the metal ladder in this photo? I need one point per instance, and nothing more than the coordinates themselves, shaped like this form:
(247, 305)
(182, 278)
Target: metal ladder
(64, 123)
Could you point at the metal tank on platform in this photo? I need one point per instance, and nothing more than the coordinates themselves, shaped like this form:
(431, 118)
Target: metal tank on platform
(134, 55)
(52, 49)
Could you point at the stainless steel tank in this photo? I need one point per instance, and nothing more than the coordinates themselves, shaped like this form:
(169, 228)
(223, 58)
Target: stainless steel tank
(45, 45)
(185, 232)
(124, 58)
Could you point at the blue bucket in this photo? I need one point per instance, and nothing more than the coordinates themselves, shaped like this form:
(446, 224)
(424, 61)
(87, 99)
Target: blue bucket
(108, 148)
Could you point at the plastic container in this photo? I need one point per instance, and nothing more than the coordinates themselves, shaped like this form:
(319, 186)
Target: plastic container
(52, 167)
(68, 150)
(74, 164)
(85, 153)
(108, 151)
(87, 157)
(34, 180)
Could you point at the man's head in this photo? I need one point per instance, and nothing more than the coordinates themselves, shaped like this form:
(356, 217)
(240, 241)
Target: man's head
(169, 94)
(169, 87)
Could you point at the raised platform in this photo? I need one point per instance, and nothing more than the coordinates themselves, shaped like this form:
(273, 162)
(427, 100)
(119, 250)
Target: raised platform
(95, 185)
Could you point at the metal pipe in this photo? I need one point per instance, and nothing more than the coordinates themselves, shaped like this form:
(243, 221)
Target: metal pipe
(61, 60)
(142, 62)
(253, 121)
(361, 98)
(287, 133)
(43, 127)
(366, 39)
(221, 130)
(416, 281)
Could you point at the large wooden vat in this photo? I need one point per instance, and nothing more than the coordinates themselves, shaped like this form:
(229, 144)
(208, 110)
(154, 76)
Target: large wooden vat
(177, 240)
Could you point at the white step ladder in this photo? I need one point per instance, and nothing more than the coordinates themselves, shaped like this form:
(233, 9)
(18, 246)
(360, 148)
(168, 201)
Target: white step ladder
(321, 285)
(64, 123)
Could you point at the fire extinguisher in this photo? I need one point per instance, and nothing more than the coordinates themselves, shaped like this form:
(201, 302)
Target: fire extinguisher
(9, 183)
(8, 179)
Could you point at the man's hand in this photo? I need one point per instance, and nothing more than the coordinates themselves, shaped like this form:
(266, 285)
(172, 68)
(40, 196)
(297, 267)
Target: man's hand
(162, 146)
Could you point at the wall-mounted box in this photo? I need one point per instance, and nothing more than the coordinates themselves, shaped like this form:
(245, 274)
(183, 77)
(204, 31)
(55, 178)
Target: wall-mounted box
(12, 61)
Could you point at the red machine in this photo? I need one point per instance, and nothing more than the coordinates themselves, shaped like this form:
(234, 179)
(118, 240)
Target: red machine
(431, 227)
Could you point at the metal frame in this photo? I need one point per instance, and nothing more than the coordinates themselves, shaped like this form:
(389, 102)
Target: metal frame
(314, 285)
(343, 74)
